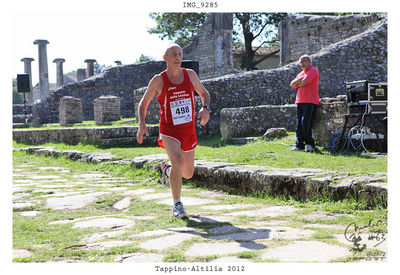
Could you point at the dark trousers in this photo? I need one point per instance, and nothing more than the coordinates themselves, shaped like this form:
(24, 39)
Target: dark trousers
(305, 118)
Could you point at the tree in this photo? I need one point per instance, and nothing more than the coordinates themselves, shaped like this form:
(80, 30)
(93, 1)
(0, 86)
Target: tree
(144, 58)
(181, 27)
(99, 68)
(178, 27)
(17, 98)
(257, 26)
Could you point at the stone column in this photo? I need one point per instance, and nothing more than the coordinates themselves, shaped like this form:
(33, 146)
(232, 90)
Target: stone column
(59, 69)
(28, 70)
(43, 68)
(81, 74)
(90, 67)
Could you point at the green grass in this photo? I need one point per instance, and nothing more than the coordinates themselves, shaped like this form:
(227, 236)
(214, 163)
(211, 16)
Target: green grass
(60, 242)
(274, 153)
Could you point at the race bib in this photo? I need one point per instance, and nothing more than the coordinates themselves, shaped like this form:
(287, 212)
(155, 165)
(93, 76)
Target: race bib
(181, 111)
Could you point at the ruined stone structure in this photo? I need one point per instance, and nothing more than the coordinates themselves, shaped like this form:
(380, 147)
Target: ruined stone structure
(254, 121)
(119, 81)
(70, 110)
(107, 109)
(307, 34)
(212, 46)
(43, 70)
(363, 56)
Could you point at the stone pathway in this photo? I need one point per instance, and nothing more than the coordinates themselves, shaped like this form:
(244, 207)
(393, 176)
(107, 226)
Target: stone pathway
(135, 220)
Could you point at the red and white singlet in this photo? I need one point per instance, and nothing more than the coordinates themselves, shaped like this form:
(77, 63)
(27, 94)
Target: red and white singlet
(177, 118)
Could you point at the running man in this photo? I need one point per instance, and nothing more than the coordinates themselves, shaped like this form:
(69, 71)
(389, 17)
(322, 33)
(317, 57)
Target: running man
(175, 88)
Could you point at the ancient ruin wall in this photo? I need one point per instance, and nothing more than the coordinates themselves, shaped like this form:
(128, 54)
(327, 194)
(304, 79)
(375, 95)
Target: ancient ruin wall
(212, 46)
(363, 56)
(118, 81)
(307, 34)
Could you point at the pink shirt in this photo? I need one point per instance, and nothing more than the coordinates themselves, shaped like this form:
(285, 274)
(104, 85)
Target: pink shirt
(308, 93)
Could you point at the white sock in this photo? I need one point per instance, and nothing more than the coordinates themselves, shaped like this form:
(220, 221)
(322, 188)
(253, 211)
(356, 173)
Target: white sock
(177, 200)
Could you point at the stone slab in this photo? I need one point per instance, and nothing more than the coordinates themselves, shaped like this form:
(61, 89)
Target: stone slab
(30, 213)
(271, 211)
(228, 206)
(103, 235)
(156, 196)
(105, 245)
(167, 241)
(230, 259)
(122, 204)
(208, 249)
(21, 253)
(306, 251)
(188, 201)
(73, 202)
(105, 223)
(138, 192)
(141, 258)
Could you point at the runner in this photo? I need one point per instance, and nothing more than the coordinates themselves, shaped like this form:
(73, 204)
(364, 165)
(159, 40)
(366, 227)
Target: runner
(175, 88)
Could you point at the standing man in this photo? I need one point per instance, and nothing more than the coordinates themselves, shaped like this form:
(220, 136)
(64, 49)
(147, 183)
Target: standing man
(307, 100)
(175, 89)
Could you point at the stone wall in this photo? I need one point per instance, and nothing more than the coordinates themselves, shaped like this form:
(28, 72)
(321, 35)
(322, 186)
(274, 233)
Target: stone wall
(212, 46)
(254, 121)
(307, 34)
(99, 135)
(118, 81)
(363, 56)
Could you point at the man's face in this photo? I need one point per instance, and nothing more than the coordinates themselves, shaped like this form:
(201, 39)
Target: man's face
(174, 56)
(304, 63)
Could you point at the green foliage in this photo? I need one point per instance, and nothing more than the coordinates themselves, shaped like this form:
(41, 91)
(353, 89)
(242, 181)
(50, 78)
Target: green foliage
(178, 27)
(17, 98)
(144, 58)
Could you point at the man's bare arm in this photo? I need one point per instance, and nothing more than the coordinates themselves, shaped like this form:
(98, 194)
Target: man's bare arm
(152, 90)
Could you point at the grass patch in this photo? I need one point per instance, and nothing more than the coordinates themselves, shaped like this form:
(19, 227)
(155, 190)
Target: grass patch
(274, 153)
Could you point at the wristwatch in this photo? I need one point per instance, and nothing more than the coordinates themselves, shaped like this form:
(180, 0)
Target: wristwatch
(207, 107)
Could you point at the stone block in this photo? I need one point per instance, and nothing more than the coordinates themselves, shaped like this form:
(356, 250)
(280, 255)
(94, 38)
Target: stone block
(107, 109)
(70, 110)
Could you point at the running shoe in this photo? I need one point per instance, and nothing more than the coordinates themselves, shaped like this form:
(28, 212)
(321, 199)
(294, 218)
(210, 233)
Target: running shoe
(179, 212)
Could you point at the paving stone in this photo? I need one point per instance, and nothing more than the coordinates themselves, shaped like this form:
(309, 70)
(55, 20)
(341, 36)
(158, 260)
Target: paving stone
(306, 251)
(30, 213)
(326, 226)
(230, 259)
(105, 223)
(223, 229)
(24, 181)
(267, 223)
(138, 192)
(22, 204)
(117, 189)
(156, 196)
(103, 235)
(212, 219)
(141, 258)
(228, 206)
(105, 245)
(208, 249)
(20, 195)
(323, 215)
(21, 253)
(90, 176)
(271, 211)
(122, 204)
(73, 202)
(44, 177)
(380, 244)
(248, 235)
(156, 232)
(188, 201)
(167, 241)
(289, 233)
